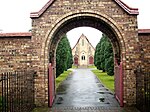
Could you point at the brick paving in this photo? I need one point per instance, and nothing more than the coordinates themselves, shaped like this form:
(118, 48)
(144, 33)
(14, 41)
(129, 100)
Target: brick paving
(87, 109)
(94, 109)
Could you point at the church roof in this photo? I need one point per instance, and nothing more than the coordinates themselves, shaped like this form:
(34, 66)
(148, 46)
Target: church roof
(79, 40)
(124, 6)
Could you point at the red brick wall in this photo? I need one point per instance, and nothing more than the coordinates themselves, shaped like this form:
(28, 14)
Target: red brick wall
(144, 39)
(15, 53)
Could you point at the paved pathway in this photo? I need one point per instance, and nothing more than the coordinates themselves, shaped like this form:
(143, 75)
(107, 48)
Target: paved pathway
(83, 92)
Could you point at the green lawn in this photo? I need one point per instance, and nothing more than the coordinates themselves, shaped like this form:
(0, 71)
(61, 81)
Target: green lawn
(44, 109)
(62, 77)
(92, 66)
(74, 67)
(107, 80)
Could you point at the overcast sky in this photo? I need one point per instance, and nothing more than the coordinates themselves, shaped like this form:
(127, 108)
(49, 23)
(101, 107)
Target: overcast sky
(15, 16)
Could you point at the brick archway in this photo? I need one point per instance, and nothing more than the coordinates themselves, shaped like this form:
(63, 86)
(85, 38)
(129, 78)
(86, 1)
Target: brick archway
(102, 24)
(50, 24)
(88, 18)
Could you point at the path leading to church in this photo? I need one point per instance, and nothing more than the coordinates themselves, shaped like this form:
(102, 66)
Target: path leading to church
(82, 91)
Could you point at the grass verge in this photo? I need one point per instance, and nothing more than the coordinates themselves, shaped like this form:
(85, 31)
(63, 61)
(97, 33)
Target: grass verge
(40, 109)
(74, 67)
(62, 77)
(92, 66)
(107, 80)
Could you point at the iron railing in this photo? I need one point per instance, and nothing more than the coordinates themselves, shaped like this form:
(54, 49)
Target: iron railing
(143, 90)
(17, 91)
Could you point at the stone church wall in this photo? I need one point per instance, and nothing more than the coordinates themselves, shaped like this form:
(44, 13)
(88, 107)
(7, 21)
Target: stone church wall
(83, 49)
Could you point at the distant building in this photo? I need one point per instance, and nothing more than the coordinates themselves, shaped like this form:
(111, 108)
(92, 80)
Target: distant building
(83, 52)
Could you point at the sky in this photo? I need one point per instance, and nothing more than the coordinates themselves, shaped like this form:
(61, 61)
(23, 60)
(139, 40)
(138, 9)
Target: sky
(15, 17)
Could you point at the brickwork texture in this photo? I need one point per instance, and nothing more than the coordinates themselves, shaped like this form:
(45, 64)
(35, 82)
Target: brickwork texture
(57, 17)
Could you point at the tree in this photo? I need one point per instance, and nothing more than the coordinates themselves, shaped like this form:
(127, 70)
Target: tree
(102, 53)
(63, 56)
(96, 55)
(104, 56)
(69, 54)
(109, 60)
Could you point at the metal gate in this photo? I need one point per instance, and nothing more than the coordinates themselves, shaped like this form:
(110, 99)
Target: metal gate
(17, 91)
(142, 89)
(119, 83)
(51, 85)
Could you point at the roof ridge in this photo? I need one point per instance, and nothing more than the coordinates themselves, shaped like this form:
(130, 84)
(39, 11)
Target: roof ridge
(85, 38)
(89, 42)
(128, 9)
(124, 6)
(41, 11)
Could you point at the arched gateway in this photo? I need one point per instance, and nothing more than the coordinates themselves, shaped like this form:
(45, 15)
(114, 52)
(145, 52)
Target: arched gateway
(112, 17)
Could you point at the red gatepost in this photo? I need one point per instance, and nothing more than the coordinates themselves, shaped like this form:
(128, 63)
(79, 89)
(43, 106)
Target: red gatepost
(119, 83)
(51, 84)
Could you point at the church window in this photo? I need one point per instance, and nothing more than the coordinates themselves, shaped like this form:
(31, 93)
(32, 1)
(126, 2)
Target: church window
(83, 57)
(77, 49)
(89, 48)
(82, 42)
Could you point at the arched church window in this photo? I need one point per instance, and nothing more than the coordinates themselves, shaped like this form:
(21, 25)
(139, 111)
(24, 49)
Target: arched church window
(83, 57)
(89, 48)
(82, 42)
(76, 49)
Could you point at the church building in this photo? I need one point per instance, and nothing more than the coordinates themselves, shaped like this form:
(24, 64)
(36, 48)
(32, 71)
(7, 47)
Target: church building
(83, 52)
